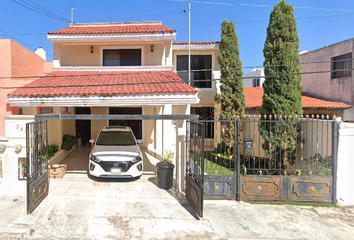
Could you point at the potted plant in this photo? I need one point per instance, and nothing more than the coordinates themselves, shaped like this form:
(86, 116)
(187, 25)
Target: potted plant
(165, 171)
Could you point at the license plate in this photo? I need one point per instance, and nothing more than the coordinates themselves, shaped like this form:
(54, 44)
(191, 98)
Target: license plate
(116, 170)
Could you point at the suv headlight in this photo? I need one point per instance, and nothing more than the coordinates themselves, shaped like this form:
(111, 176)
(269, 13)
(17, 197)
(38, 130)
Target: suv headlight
(94, 158)
(137, 159)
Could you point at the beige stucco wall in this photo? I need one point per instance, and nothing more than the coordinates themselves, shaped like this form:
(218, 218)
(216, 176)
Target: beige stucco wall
(321, 84)
(206, 95)
(96, 125)
(149, 129)
(80, 55)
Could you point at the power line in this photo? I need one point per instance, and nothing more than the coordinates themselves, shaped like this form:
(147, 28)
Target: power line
(18, 40)
(157, 82)
(312, 8)
(214, 3)
(181, 71)
(40, 10)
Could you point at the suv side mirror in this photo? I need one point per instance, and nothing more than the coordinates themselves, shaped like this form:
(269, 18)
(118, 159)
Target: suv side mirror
(92, 141)
(140, 142)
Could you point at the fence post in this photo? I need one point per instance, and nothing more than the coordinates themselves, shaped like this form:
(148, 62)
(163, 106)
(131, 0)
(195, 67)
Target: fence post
(334, 161)
(238, 172)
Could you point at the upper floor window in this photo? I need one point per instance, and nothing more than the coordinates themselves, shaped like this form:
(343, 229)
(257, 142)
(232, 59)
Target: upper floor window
(256, 82)
(122, 57)
(200, 70)
(344, 63)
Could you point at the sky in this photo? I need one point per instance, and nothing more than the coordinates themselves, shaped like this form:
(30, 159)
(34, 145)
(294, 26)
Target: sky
(319, 22)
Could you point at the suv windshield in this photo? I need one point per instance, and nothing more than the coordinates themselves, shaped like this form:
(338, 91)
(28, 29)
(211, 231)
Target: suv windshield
(116, 138)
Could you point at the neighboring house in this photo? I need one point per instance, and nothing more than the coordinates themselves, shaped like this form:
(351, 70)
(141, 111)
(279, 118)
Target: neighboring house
(255, 78)
(328, 73)
(311, 105)
(17, 66)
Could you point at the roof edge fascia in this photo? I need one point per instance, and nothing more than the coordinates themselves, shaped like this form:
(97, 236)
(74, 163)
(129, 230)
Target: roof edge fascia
(115, 24)
(75, 101)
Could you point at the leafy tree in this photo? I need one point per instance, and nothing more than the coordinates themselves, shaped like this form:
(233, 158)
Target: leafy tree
(282, 87)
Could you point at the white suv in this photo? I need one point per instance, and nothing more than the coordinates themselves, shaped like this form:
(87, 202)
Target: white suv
(116, 154)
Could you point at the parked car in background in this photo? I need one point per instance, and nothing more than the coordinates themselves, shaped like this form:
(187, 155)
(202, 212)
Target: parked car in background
(116, 154)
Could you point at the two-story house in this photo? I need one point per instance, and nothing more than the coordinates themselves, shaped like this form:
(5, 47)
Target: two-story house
(124, 68)
(328, 73)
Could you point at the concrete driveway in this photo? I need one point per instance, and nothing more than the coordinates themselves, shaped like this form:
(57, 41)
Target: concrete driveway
(82, 208)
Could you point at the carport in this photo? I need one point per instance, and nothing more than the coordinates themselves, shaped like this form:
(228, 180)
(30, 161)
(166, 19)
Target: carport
(38, 182)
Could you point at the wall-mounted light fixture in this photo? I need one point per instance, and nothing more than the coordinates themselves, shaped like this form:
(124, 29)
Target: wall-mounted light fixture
(91, 48)
(152, 47)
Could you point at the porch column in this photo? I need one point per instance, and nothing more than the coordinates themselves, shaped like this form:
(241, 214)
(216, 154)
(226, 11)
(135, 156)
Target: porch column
(168, 131)
(168, 53)
(181, 147)
(56, 57)
(158, 132)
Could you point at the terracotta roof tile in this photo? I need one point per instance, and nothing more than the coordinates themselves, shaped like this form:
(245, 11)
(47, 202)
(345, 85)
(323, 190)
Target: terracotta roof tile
(118, 29)
(104, 83)
(254, 98)
(195, 43)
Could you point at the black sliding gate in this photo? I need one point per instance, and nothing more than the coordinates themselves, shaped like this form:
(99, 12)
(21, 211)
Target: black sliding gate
(270, 159)
(37, 163)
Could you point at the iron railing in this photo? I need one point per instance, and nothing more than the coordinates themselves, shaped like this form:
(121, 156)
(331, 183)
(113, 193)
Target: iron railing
(270, 145)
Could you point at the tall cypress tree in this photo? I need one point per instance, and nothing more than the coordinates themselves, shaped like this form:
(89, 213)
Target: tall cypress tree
(232, 97)
(282, 87)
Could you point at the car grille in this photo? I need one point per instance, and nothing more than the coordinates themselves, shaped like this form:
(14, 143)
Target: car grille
(124, 166)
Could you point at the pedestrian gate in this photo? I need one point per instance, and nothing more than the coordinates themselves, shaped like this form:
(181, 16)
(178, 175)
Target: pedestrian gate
(37, 163)
(195, 165)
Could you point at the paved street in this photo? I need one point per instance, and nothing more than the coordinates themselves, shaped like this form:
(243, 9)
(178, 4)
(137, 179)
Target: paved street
(81, 208)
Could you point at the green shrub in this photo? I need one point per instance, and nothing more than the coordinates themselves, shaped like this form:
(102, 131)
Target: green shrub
(52, 149)
(68, 142)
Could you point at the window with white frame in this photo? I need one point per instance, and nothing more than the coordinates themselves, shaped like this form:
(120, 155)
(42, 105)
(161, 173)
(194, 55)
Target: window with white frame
(341, 66)
(121, 57)
(200, 70)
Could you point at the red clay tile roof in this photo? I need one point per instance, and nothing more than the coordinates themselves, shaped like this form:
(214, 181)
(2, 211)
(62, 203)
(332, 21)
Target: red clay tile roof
(114, 29)
(254, 98)
(104, 83)
(196, 43)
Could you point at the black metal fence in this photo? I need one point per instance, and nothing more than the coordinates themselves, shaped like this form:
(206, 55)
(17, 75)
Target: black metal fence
(273, 145)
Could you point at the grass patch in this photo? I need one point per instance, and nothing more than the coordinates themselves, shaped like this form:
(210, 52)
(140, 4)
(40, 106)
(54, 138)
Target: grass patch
(215, 167)
(309, 204)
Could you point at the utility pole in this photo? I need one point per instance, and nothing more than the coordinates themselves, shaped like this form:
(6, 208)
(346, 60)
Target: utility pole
(189, 43)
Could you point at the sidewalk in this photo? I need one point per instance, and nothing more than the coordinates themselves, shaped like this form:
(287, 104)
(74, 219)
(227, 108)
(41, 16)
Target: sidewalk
(80, 208)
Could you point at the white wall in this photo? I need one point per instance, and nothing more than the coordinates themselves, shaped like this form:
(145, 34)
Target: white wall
(345, 176)
(15, 132)
(255, 73)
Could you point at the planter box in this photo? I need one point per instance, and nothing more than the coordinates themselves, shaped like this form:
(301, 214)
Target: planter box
(59, 156)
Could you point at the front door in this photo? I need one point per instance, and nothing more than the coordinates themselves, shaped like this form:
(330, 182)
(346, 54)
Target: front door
(195, 165)
(37, 163)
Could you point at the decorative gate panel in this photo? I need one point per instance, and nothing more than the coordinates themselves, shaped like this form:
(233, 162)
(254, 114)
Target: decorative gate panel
(311, 189)
(37, 163)
(219, 187)
(195, 165)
